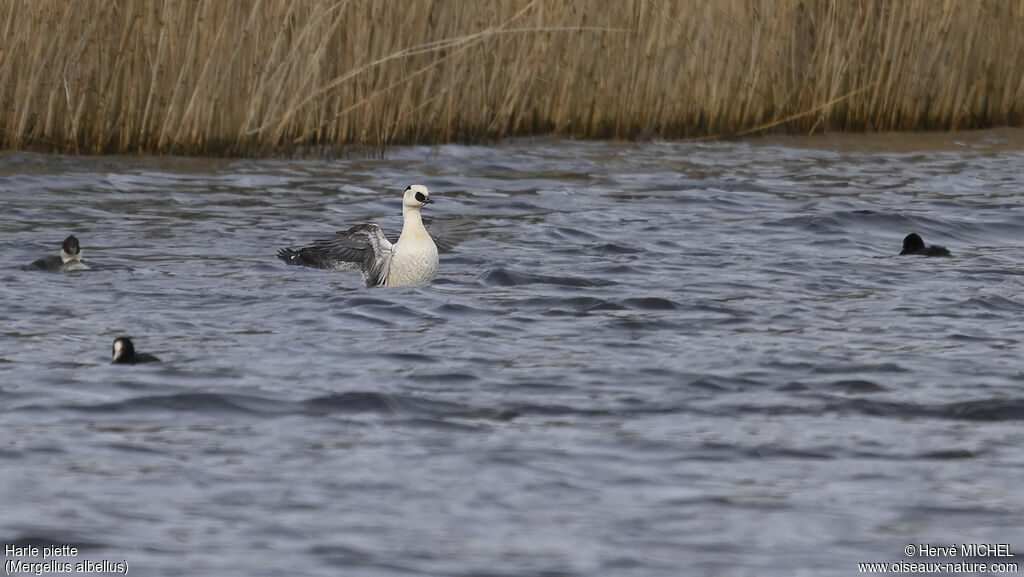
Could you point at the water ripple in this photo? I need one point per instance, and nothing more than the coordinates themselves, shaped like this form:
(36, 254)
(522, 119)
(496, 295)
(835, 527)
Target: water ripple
(635, 358)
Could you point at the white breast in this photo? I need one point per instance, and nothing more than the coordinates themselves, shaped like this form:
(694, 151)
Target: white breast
(414, 261)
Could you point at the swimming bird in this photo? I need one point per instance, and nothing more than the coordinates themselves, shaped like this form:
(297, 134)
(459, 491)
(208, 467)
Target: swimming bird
(124, 353)
(913, 244)
(411, 260)
(70, 258)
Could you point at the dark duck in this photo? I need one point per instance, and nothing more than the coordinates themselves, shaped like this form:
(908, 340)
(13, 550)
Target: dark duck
(913, 244)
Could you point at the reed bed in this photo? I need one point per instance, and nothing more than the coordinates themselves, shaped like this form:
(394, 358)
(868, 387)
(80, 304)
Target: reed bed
(266, 77)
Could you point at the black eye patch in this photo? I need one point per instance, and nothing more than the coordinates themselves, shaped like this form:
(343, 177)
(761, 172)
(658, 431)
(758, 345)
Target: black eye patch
(420, 197)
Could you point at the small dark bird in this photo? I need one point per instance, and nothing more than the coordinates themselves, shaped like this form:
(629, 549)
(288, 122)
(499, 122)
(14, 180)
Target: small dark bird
(70, 258)
(124, 353)
(913, 244)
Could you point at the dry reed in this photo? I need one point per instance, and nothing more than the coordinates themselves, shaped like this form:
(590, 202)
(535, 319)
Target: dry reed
(261, 77)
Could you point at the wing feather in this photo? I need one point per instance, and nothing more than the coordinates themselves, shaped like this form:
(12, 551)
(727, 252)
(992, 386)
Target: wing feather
(364, 246)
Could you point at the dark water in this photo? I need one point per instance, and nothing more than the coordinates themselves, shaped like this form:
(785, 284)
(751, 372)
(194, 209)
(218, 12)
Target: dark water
(637, 359)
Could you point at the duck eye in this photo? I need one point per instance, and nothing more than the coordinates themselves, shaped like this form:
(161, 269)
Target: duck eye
(420, 197)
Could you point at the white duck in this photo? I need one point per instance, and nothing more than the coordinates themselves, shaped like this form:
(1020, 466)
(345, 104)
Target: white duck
(409, 261)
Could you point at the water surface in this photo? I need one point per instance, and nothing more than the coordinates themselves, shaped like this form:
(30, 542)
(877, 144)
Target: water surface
(637, 359)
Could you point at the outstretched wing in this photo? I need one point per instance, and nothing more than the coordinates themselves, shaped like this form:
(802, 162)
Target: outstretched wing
(364, 246)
